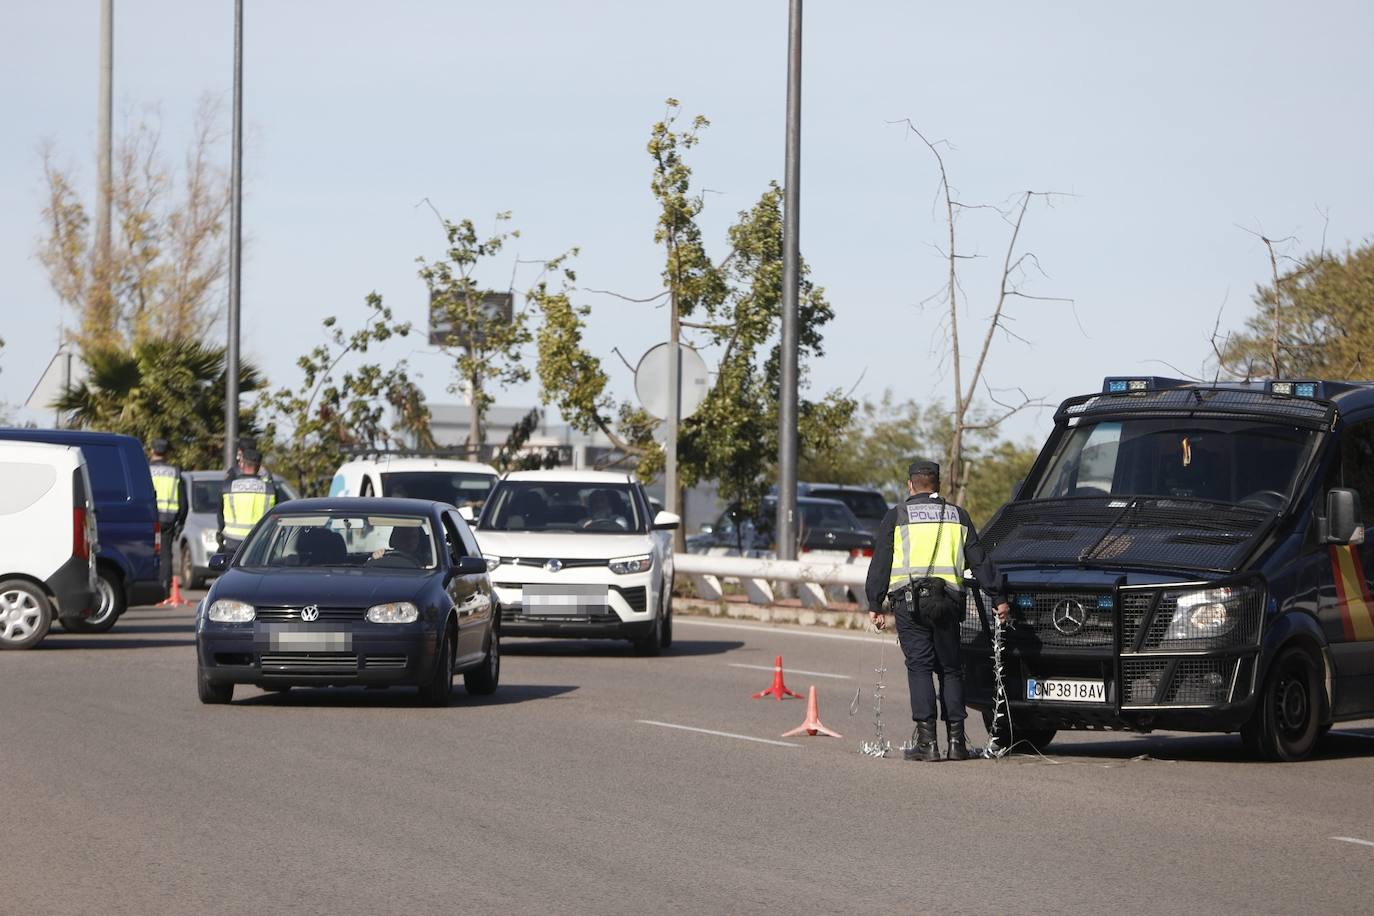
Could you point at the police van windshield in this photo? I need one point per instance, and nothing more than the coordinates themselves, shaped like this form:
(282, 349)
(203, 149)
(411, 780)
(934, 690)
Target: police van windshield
(1230, 461)
(595, 508)
(335, 541)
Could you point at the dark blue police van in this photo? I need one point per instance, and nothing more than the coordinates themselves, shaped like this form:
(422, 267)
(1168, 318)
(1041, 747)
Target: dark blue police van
(1188, 556)
(125, 516)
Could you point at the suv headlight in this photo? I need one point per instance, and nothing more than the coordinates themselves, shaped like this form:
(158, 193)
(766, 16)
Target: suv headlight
(209, 539)
(1203, 614)
(393, 612)
(231, 612)
(492, 559)
(625, 566)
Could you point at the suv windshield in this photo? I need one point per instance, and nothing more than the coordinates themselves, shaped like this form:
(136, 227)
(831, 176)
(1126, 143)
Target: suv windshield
(529, 505)
(333, 541)
(1230, 461)
(445, 486)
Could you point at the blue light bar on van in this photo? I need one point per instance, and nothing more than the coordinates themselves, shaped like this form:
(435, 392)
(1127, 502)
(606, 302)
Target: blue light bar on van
(1132, 384)
(1297, 389)
(1025, 602)
(1104, 602)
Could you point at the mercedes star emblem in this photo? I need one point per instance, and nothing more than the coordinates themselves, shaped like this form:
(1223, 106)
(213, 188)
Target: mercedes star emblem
(310, 613)
(1069, 617)
(553, 565)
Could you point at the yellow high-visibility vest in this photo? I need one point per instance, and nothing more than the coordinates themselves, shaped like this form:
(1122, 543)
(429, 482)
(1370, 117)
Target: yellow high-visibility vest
(246, 501)
(928, 536)
(165, 487)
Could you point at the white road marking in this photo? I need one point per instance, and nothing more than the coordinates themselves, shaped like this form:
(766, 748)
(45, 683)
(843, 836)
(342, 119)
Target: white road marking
(842, 677)
(1353, 839)
(764, 628)
(707, 731)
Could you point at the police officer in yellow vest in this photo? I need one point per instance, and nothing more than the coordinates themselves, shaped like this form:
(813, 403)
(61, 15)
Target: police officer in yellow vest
(920, 553)
(170, 490)
(247, 497)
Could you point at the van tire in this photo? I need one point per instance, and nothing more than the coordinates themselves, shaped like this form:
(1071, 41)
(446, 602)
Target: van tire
(111, 602)
(25, 614)
(1286, 722)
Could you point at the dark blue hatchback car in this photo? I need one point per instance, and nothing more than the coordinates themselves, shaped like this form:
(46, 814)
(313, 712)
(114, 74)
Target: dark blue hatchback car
(347, 591)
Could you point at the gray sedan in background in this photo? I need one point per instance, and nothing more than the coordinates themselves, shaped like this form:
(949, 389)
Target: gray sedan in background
(196, 543)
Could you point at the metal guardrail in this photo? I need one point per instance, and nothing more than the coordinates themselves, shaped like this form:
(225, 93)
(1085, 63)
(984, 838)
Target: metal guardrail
(819, 582)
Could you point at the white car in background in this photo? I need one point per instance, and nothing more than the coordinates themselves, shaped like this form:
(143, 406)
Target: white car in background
(579, 554)
(464, 484)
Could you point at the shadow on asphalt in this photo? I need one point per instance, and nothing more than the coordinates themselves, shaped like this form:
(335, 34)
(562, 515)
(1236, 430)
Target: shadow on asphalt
(57, 642)
(1339, 744)
(404, 697)
(608, 648)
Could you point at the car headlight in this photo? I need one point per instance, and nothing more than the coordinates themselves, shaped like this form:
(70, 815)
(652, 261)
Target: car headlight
(492, 559)
(1202, 614)
(231, 612)
(625, 566)
(210, 540)
(393, 612)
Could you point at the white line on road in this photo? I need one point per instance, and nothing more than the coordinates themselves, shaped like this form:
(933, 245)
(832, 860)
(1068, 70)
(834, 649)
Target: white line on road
(707, 731)
(842, 677)
(764, 628)
(1353, 839)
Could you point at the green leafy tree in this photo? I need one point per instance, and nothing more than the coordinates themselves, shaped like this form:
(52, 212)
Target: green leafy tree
(170, 389)
(486, 347)
(1314, 321)
(313, 427)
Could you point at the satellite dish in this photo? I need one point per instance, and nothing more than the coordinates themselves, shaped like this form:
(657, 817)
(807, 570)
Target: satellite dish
(651, 381)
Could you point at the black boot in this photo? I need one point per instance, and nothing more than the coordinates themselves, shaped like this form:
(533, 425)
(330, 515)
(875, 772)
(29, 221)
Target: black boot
(926, 748)
(956, 749)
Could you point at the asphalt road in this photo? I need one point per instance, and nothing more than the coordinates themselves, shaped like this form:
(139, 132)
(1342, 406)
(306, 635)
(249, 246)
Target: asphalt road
(122, 794)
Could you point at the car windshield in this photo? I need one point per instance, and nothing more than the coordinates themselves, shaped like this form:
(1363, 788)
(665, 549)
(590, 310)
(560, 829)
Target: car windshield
(205, 494)
(861, 502)
(596, 508)
(459, 489)
(334, 541)
(1229, 461)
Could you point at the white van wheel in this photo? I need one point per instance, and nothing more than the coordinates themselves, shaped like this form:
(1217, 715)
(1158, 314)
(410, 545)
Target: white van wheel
(109, 604)
(25, 614)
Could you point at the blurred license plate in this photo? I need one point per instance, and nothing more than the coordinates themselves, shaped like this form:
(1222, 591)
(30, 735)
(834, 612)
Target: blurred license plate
(575, 600)
(1066, 690)
(310, 641)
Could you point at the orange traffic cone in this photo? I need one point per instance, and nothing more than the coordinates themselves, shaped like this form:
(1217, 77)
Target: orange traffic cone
(812, 725)
(175, 599)
(779, 689)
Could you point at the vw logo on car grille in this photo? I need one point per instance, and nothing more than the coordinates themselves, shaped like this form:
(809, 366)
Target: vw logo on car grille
(553, 565)
(1069, 617)
(310, 612)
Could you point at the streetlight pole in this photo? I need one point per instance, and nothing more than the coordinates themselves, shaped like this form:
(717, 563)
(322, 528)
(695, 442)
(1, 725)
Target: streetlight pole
(791, 278)
(105, 146)
(231, 362)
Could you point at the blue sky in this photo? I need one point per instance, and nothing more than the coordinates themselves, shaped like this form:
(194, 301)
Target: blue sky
(1171, 124)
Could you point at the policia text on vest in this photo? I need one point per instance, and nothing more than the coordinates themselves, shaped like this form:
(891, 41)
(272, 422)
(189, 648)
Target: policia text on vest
(926, 538)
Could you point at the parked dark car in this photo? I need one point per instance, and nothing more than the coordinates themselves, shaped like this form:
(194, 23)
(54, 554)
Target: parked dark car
(826, 525)
(346, 591)
(867, 503)
(126, 521)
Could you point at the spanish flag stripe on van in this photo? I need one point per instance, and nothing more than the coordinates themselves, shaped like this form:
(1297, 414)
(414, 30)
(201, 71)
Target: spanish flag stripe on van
(1352, 593)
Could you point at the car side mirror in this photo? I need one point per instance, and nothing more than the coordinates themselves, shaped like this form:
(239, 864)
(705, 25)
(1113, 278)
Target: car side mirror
(219, 562)
(470, 566)
(466, 514)
(1342, 524)
(666, 521)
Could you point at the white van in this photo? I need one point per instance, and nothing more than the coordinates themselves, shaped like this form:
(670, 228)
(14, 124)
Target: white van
(47, 541)
(465, 484)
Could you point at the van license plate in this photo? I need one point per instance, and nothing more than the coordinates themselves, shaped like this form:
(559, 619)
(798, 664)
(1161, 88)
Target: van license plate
(1066, 690)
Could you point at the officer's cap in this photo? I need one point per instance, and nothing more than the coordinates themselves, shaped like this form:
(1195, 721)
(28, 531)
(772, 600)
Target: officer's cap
(923, 468)
(252, 456)
(159, 446)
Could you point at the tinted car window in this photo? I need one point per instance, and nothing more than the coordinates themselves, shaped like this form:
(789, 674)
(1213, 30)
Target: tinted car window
(443, 486)
(206, 495)
(324, 541)
(1357, 464)
(862, 504)
(829, 515)
(105, 465)
(596, 508)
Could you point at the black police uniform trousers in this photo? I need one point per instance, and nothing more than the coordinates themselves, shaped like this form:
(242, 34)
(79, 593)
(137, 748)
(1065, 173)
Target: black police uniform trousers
(931, 650)
(170, 532)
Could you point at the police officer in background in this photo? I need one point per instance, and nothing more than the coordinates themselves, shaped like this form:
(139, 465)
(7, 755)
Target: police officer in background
(170, 489)
(248, 493)
(920, 553)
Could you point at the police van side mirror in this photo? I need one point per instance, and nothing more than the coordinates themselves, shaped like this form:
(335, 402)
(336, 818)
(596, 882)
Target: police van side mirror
(1342, 524)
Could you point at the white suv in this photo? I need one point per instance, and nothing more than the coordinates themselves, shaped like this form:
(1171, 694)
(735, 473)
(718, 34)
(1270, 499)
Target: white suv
(577, 553)
(464, 484)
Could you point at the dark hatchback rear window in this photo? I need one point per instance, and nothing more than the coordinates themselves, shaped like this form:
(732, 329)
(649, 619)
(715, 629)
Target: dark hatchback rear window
(862, 504)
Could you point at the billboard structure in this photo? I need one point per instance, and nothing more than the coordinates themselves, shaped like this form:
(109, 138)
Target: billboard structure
(442, 331)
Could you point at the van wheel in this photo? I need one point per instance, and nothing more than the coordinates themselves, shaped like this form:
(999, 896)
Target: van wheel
(25, 614)
(1010, 734)
(109, 604)
(1284, 725)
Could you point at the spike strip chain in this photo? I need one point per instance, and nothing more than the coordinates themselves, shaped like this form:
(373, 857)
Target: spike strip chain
(880, 746)
(999, 703)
